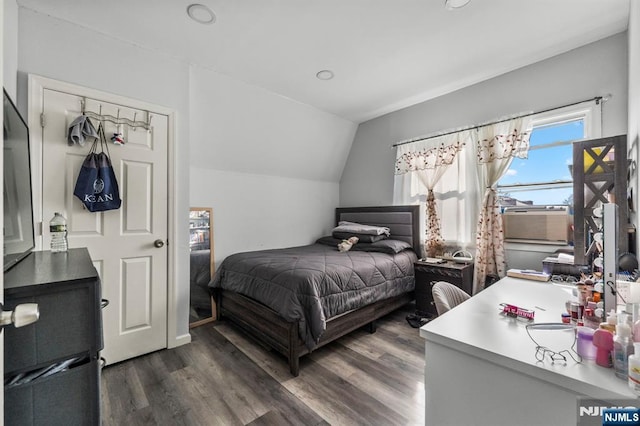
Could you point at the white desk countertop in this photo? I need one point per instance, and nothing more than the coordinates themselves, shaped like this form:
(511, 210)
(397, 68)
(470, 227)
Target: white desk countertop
(477, 329)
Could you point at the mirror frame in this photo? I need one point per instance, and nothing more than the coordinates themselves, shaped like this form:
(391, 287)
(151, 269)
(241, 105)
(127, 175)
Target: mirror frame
(209, 210)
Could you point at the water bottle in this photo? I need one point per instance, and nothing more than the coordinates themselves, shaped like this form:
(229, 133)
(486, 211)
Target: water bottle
(58, 229)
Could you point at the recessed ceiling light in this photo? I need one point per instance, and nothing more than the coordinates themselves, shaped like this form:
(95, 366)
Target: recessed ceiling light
(201, 13)
(324, 75)
(455, 4)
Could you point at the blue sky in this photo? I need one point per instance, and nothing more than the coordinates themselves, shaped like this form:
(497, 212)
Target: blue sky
(545, 165)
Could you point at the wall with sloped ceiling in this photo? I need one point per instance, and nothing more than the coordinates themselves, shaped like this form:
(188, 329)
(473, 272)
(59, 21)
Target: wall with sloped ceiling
(268, 166)
(596, 69)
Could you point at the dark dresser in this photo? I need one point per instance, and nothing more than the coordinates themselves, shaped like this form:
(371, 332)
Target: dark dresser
(427, 274)
(52, 368)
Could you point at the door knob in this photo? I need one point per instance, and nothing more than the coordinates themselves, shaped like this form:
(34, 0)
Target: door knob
(23, 314)
(158, 243)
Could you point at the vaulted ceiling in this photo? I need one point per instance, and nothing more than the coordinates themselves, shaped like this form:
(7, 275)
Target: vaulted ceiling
(385, 54)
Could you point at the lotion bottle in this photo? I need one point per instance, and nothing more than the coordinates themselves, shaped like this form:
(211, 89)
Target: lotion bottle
(622, 348)
(634, 369)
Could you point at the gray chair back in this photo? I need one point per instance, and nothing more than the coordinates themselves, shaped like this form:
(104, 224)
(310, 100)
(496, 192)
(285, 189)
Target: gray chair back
(447, 296)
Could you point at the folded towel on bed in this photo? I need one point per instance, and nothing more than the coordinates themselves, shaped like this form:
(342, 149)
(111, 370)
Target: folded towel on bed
(358, 228)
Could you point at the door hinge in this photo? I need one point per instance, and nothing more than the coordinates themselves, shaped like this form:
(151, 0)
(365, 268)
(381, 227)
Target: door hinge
(42, 120)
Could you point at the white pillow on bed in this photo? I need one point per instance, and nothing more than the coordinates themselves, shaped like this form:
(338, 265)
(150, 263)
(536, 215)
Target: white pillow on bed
(389, 246)
(363, 238)
(358, 228)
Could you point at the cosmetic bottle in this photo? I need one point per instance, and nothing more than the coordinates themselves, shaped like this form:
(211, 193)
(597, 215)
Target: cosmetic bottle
(636, 331)
(590, 319)
(634, 308)
(622, 348)
(585, 347)
(603, 341)
(634, 369)
(610, 324)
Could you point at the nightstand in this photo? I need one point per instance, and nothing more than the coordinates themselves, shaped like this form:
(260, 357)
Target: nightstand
(427, 274)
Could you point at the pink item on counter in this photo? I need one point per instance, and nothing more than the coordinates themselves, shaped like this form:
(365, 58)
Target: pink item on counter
(603, 341)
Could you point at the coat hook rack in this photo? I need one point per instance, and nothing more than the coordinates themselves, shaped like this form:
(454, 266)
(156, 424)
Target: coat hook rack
(117, 119)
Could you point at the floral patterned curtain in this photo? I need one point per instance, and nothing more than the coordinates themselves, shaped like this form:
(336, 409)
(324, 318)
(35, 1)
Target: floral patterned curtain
(428, 160)
(496, 147)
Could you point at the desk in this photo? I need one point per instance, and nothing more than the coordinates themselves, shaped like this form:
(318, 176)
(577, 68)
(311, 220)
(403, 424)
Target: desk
(481, 367)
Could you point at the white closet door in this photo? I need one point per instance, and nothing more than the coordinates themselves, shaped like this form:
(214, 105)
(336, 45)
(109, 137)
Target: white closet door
(132, 268)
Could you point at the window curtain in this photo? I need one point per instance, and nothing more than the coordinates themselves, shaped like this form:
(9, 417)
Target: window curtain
(496, 147)
(419, 167)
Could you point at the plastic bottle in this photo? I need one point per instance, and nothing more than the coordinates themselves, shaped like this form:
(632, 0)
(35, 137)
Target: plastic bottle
(586, 349)
(622, 348)
(634, 369)
(58, 230)
(610, 324)
(634, 308)
(636, 331)
(603, 341)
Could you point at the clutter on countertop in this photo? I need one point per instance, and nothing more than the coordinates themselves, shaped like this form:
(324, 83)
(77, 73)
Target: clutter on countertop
(528, 274)
(515, 311)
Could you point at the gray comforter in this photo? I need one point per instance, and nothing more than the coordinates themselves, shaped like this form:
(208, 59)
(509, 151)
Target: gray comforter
(313, 283)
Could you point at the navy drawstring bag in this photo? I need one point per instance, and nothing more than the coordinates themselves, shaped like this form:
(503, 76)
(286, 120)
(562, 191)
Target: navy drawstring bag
(96, 185)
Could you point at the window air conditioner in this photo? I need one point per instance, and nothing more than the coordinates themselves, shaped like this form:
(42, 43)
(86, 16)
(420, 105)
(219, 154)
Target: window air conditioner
(537, 224)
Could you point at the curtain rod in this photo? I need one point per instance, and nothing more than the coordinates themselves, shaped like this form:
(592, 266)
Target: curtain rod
(597, 99)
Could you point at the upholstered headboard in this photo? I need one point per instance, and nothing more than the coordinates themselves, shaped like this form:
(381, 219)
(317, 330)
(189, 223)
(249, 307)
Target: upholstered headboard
(403, 221)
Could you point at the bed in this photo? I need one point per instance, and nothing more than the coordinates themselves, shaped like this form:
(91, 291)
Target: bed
(298, 299)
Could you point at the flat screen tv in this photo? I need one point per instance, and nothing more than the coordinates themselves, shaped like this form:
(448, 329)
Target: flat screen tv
(18, 233)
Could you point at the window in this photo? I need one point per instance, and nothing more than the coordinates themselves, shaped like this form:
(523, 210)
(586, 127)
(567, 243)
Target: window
(544, 178)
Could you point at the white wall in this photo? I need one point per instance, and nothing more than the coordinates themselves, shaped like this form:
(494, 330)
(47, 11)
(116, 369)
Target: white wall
(268, 166)
(253, 212)
(243, 128)
(69, 52)
(596, 69)
(10, 47)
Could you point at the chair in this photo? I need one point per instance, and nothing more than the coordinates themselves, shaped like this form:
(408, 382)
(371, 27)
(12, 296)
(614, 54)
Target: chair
(447, 296)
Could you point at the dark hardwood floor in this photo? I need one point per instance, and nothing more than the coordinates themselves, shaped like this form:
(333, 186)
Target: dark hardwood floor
(223, 378)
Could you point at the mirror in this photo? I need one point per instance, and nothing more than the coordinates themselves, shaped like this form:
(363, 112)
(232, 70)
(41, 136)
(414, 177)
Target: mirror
(202, 308)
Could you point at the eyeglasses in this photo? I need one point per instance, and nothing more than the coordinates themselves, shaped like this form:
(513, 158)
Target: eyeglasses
(552, 341)
(542, 352)
(564, 279)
